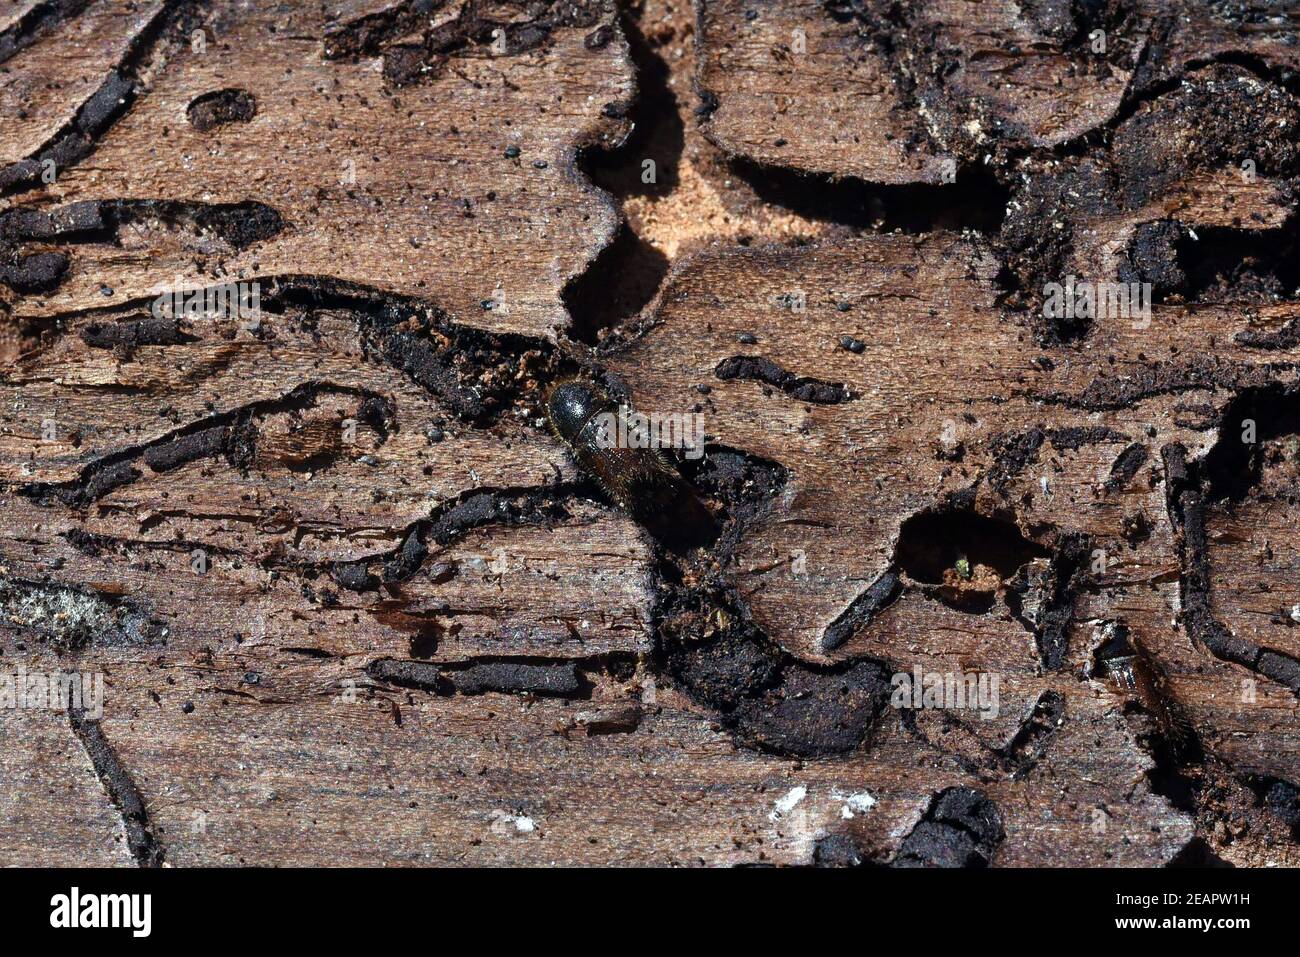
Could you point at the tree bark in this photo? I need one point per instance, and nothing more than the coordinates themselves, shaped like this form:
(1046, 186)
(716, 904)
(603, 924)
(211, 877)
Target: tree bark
(283, 293)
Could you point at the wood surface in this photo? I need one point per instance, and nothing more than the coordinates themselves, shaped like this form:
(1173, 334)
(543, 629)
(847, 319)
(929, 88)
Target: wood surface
(354, 603)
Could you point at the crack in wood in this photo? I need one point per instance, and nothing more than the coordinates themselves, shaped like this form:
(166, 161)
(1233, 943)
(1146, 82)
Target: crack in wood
(801, 388)
(472, 25)
(1187, 509)
(231, 433)
(121, 789)
(76, 139)
(41, 19)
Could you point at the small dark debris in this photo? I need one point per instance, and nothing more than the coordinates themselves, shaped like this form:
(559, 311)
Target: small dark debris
(560, 680)
(220, 107)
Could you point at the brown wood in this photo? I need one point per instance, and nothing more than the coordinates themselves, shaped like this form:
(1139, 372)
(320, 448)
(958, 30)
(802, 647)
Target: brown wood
(792, 87)
(353, 602)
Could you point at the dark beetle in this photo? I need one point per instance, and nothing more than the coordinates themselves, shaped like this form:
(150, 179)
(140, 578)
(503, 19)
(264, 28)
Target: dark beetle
(1133, 672)
(640, 480)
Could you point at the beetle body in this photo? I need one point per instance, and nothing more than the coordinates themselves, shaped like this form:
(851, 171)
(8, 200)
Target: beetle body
(1132, 672)
(641, 480)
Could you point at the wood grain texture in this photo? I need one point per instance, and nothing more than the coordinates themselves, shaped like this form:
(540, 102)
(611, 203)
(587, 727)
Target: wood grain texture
(887, 92)
(792, 87)
(387, 205)
(55, 813)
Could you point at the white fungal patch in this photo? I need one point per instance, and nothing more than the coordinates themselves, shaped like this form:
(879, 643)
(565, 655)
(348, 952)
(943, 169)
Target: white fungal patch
(69, 617)
(799, 819)
(859, 803)
(505, 824)
(788, 802)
